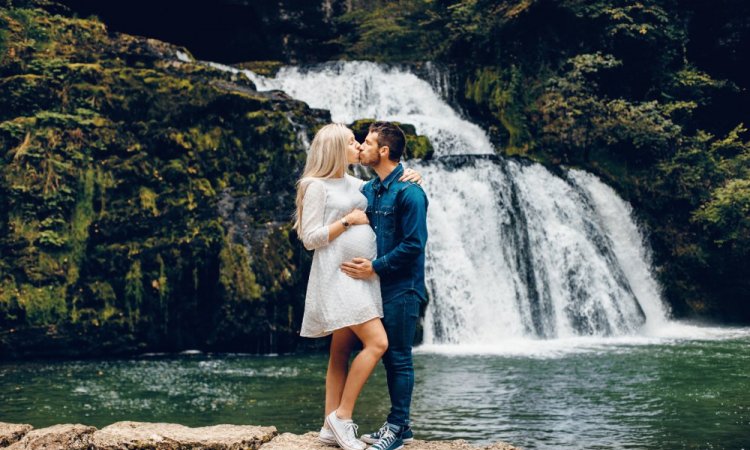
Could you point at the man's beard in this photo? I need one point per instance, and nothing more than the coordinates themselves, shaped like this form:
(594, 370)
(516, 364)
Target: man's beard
(371, 162)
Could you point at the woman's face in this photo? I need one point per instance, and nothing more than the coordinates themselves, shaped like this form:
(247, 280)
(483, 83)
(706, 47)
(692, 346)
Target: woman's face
(352, 151)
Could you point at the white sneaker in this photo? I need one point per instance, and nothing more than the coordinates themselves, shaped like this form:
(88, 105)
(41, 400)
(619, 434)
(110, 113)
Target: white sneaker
(345, 432)
(326, 437)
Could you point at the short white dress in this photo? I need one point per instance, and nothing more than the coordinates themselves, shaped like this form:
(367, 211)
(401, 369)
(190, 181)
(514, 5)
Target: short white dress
(334, 300)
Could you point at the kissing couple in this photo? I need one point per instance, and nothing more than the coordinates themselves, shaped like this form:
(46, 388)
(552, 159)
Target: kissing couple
(367, 275)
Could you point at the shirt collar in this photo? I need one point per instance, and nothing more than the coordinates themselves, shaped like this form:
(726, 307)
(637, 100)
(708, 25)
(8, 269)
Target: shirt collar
(395, 175)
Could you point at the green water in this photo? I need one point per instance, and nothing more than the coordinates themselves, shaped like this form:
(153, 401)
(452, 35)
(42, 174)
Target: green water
(640, 393)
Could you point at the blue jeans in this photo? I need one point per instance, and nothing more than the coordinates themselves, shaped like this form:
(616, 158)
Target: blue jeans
(400, 322)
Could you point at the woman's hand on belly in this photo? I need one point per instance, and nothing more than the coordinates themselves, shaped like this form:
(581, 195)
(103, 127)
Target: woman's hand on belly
(357, 217)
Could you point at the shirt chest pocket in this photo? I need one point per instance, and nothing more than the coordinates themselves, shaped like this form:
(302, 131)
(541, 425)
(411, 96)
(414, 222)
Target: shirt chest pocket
(383, 220)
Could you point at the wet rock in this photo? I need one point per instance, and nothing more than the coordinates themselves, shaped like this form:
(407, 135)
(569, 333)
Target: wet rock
(309, 441)
(12, 432)
(169, 436)
(265, 68)
(147, 49)
(57, 437)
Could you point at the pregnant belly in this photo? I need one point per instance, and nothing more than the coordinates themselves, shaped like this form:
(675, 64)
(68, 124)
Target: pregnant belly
(356, 242)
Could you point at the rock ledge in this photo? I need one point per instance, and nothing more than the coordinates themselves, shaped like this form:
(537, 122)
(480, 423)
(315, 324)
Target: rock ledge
(169, 436)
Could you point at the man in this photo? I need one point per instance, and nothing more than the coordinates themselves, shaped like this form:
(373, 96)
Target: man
(397, 212)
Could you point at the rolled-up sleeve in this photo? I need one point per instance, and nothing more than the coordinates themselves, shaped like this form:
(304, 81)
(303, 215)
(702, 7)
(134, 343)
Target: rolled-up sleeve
(314, 230)
(413, 223)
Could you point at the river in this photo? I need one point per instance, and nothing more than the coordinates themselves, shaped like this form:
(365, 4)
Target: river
(687, 388)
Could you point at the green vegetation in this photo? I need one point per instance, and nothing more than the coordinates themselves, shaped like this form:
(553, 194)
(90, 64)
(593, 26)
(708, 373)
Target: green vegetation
(265, 68)
(115, 159)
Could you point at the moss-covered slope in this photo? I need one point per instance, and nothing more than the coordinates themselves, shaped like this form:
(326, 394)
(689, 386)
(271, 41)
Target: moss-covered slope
(144, 198)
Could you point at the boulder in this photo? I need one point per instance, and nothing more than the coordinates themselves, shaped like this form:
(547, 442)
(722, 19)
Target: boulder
(169, 436)
(56, 437)
(309, 441)
(12, 432)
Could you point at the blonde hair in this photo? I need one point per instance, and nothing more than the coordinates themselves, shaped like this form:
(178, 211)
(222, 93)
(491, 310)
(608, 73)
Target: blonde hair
(325, 159)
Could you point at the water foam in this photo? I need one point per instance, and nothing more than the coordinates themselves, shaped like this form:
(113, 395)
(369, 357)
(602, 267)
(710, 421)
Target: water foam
(672, 333)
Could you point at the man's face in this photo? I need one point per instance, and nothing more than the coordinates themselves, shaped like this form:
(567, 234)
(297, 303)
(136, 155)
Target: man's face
(369, 152)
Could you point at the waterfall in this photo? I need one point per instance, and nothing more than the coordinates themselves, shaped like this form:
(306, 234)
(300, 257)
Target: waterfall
(514, 251)
(359, 90)
(628, 244)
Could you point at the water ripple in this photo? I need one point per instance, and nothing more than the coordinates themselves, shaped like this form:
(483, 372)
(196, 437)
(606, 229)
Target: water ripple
(665, 392)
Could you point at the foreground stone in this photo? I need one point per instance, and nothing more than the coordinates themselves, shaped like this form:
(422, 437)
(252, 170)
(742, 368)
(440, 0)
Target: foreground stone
(57, 437)
(12, 432)
(169, 436)
(309, 441)
(137, 435)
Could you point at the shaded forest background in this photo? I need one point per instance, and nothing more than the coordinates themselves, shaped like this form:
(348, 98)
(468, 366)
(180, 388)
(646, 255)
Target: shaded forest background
(144, 199)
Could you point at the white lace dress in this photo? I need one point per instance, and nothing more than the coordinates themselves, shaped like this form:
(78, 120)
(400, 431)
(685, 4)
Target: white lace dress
(335, 300)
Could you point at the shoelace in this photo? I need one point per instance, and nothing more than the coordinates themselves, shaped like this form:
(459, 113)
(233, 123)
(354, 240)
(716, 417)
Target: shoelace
(382, 430)
(353, 427)
(386, 439)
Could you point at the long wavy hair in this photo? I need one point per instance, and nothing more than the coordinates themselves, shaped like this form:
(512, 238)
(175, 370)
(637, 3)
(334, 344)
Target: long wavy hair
(325, 159)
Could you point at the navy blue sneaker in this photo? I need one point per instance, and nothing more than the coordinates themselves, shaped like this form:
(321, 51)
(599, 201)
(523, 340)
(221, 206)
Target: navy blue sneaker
(388, 441)
(407, 435)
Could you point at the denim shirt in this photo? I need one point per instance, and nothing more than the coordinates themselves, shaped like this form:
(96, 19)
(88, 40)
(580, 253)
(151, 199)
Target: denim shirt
(397, 212)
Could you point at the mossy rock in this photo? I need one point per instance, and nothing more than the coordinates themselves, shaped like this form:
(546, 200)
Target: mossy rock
(24, 95)
(264, 68)
(419, 147)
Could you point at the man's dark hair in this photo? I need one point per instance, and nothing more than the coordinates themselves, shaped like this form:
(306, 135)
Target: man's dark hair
(391, 135)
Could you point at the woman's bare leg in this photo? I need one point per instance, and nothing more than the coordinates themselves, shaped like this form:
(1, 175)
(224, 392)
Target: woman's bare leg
(342, 345)
(375, 343)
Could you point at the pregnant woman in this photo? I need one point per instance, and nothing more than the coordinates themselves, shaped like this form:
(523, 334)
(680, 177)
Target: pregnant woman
(330, 219)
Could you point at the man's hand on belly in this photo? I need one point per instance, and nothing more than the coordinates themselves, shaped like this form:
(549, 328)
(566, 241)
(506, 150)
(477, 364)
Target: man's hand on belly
(359, 268)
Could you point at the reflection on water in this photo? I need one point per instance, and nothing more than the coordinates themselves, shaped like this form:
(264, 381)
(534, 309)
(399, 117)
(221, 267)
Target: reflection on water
(668, 393)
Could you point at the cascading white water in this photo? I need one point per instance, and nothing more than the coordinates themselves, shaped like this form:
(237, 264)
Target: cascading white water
(580, 285)
(359, 90)
(514, 251)
(628, 244)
